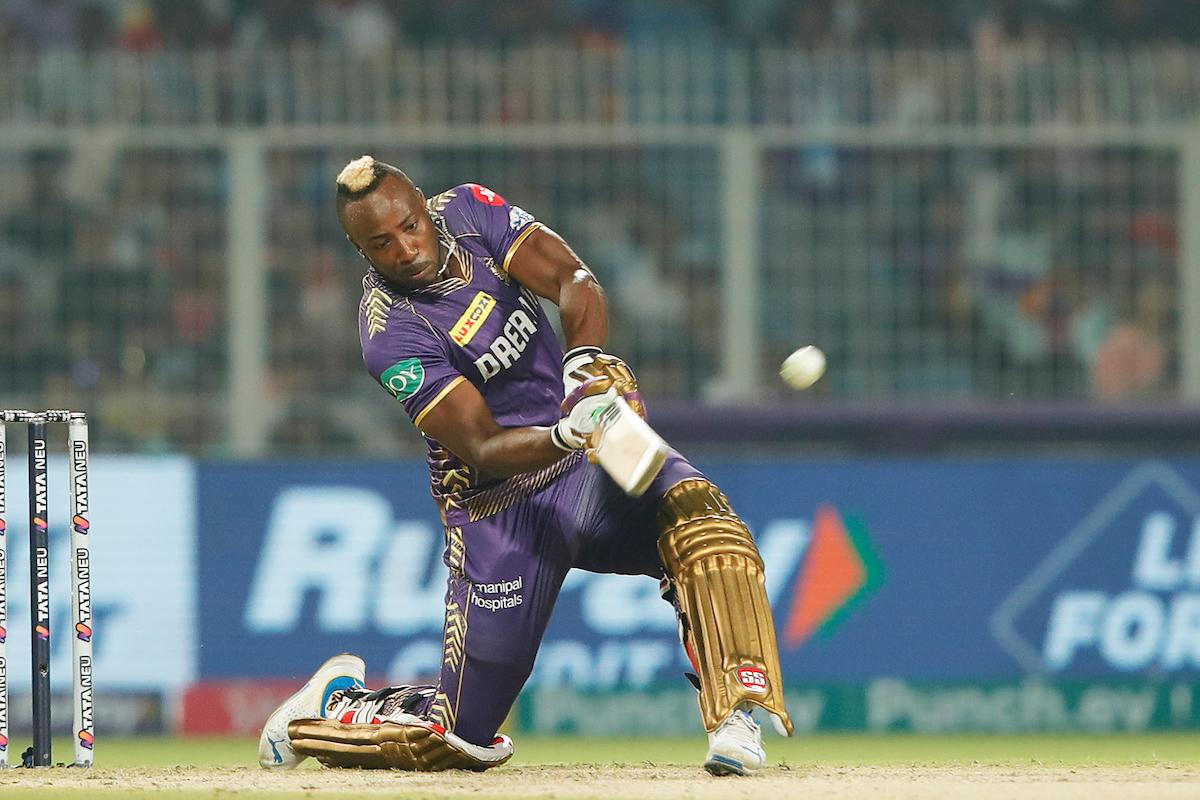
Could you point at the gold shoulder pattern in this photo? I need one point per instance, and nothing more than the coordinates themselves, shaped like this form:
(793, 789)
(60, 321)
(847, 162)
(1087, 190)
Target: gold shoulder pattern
(438, 202)
(377, 305)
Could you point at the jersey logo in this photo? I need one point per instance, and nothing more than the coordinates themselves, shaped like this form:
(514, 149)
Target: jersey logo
(377, 307)
(506, 348)
(403, 378)
(518, 216)
(486, 195)
(473, 318)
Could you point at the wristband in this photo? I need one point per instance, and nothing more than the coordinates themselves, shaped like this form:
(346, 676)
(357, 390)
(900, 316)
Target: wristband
(556, 436)
(589, 350)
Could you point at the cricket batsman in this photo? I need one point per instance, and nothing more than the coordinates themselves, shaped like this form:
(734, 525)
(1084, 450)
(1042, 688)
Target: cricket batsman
(452, 327)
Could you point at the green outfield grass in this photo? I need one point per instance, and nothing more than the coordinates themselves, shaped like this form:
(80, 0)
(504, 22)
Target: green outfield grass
(1182, 749)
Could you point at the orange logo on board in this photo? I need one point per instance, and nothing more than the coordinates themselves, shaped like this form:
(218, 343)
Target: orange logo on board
(473, 318)
(840, 570)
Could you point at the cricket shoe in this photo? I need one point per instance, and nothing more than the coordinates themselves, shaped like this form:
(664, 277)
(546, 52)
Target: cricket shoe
(735, 747)
(390, 704)
(343, 671)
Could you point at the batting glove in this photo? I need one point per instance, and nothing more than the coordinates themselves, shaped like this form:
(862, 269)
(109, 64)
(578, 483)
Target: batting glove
(588, 363)
(582, 409)
(572, 362)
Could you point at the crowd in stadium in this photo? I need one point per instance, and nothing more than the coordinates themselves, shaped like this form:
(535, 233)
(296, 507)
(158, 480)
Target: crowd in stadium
(148, 25)
(135, 239)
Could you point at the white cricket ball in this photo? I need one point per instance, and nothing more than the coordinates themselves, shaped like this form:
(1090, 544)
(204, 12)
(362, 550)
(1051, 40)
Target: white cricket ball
(803, 368)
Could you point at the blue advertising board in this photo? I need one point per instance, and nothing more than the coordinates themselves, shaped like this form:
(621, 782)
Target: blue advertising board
(923, 570)
(142, 567)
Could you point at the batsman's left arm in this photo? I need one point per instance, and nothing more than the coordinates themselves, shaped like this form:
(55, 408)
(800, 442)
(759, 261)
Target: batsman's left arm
(548, 267)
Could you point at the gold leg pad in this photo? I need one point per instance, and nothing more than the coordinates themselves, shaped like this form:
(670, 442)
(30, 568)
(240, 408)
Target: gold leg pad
(711, 558)
(410, 747)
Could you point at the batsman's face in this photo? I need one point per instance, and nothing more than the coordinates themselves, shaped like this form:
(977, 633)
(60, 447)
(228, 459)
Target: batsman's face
(392, 227)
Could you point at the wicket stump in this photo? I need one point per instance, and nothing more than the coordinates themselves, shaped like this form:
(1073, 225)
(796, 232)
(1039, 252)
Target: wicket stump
(39, 754)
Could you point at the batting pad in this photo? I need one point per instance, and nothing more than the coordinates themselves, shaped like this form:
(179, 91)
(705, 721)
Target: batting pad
(417, 746)
(711, 558)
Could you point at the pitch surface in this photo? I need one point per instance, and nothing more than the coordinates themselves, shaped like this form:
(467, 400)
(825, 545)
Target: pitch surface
(1095, 768)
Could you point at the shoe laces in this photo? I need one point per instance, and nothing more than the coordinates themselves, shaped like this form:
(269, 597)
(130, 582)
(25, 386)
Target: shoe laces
(378, 704)
(742, 727)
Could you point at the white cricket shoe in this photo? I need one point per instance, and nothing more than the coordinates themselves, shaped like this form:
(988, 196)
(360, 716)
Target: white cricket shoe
(343, 671)
(735, 747)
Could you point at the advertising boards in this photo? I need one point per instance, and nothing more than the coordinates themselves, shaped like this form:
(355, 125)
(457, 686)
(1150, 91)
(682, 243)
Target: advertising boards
(889, 578)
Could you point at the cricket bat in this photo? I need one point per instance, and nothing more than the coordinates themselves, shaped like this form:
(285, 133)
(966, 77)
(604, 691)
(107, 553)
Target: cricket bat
(628, 449)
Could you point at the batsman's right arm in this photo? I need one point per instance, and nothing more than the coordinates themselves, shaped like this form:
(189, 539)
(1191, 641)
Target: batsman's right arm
(464, 424)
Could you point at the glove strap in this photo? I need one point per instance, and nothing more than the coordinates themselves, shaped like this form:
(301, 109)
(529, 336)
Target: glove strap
(588, 350)
(560, 440)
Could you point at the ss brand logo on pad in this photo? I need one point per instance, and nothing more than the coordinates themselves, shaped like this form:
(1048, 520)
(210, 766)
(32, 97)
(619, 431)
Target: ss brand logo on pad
(473, 318)
(403, 378)
(753, 679)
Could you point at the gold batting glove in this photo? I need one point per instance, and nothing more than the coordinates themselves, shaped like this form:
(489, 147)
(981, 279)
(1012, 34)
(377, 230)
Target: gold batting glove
(583, 364)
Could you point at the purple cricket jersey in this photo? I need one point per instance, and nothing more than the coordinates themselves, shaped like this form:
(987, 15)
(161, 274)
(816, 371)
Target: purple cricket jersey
(486, 329)
(509, 542)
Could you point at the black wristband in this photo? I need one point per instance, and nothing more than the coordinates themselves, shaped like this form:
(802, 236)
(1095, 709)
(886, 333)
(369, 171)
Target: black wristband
(587, 349)
(556, 437)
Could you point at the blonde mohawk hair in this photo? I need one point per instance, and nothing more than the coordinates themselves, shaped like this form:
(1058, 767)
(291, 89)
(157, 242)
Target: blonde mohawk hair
(358, 175)
(362, 176)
